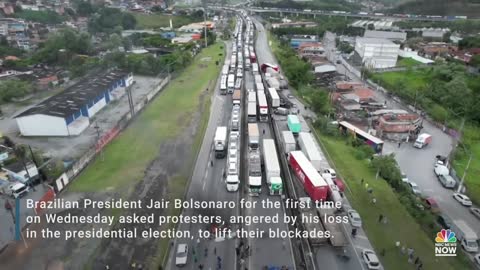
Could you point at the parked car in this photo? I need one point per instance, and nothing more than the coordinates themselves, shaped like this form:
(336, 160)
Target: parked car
(444, 221)
(476, 258)
(462, 198)
(371, 259)
(475, 211)
(182, 255)
(415, 188)
(432, 205)
(354, 218)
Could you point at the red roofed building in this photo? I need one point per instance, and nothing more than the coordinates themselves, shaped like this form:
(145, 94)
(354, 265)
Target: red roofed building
(398, 126)
(342, 85)
(466, 55)
(311, 48)
(363, 93)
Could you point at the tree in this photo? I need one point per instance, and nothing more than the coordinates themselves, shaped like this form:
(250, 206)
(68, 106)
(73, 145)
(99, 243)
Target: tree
(10, 89)
(319, 102)
(84, 8)
(388, 169)
(111, 20)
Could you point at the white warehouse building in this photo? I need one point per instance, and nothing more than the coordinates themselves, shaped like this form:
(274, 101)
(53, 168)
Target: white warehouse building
(69, 112)
(376, 52)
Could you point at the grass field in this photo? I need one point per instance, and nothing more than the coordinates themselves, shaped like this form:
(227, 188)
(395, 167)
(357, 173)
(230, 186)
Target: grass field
(400, 227)
(148, 21)
(408, 62)
(128, 155)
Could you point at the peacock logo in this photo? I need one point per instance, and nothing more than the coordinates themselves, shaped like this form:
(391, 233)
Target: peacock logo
(445, 236)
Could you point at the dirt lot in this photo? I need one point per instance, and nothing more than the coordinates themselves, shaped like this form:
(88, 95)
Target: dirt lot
(72, 147)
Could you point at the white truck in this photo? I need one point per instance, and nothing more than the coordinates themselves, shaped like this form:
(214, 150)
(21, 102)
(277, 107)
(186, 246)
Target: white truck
(310, 149)
(225, 69)
(274, 98)
(273, 82)
(230, 83)
(252, 112)
(260, 87)
(223, 85)
(289, 143)
(272, 167)
(220, 142)
(252, 97)
(334, 191)
(465, 235)
(258, 78)
(254, 173)
(423, 140)
(255, 68)
(253, 136)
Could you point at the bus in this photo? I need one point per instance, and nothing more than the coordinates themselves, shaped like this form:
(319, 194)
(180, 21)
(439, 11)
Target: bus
(358, 133)
(223, 85)
(262, 106)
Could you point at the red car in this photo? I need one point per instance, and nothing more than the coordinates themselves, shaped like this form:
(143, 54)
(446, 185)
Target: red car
(432, 205)
(340, 184)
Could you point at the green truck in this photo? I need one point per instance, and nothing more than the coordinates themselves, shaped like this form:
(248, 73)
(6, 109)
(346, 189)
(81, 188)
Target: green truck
(294, 124)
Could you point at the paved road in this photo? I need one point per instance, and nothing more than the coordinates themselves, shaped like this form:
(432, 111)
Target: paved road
(325, 256)
(207, 184)
(418, 163)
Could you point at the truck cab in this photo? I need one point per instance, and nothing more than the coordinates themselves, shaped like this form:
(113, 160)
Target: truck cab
(232, 182)
(423, 140)
(18, 190)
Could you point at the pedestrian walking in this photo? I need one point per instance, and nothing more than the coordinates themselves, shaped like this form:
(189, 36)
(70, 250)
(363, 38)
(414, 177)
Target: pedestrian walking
(200, 267)
(247, 250)
(370, 191)
(219, 259)
(361, 181)
(211, 163)
(354, 232)
(382, 252)
(417, 260)
(420, 266)
(366, 186)
(237, 250)
(380, 218)
(374, 201)
(385, 220)
(263, 131)
(403, 250)
(206, 252)
(399, 144)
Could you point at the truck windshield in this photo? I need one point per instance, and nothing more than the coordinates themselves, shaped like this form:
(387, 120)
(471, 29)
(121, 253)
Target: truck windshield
(276, 187)
(20, 190)
(472, 244)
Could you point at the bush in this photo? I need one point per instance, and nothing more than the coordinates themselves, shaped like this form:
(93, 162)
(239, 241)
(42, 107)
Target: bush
(438, 113)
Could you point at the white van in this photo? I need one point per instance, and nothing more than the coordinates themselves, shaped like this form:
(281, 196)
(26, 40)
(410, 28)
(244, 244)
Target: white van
(232, 182)
(18, 190)
(447, 181)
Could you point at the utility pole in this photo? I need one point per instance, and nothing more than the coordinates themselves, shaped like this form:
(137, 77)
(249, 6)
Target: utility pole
(465, 173)
(205, 23)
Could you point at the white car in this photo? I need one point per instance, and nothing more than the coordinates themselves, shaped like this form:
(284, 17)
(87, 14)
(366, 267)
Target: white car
(405, 178)
(370, 259)
(475, 211)
(415, 188)
(331, 172)
(463, 199)
(476, 258)
(182, 255)
(354, 218)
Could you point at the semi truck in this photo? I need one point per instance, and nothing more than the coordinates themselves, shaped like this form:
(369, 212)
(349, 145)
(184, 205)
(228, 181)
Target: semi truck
(220, 142)
(258, 78)
(223, 85)
(252, 97)
(260, 87)
(465, 235)
(423, 140)
(294, 124)
(252, 112)
(236, 97)
(274, 98)
(225, 69)
(311, 221)
(262, 106)
(272, 167)
(254, 172)
(230, 83)
(253, 136)
(313, 183)
(255, 68)
(333, 190)
(310, 148)
(273, 82)
(289, 143)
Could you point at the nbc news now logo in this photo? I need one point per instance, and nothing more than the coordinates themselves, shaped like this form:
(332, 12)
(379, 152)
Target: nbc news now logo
(445, 243)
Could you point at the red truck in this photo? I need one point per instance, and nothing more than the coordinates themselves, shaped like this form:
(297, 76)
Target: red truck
(313, 183)
(253, 57)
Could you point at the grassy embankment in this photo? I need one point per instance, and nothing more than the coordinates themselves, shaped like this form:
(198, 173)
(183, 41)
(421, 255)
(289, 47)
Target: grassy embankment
(417, 80)
(401, 225)
(149, 21)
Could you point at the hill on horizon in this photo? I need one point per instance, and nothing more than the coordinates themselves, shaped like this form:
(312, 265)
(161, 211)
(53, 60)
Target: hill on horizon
(469, 8)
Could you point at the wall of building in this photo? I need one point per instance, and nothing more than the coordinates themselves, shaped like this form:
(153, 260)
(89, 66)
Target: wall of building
(378, 55)
(42, 125)
(97, 107)
(78, 126)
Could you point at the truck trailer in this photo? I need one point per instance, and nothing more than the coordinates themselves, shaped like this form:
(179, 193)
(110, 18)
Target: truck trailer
(254, 172)
(310, 148)
(272, 167)
(313, 183)
(253, 136)
(465, 235)
(252, 112)
(289, 143)
(236, 97)
(294, 124)
(230, 83)
(262, 106)
(220, 142)
(274, 98)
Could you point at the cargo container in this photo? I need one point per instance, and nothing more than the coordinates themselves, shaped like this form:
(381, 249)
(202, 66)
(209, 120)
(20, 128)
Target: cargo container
(260, 87)
(230, 83)
(274, 98)
(272, 167)
(252, 97)
(294, 124)
(223, 85)
(252, 112)
(253, 136)
(289, 143)
(220, 142)
(225, 69)
(236, 97)
(254, 173)
(309, 147)
(313, 183)
(258, 78)
(262, 106)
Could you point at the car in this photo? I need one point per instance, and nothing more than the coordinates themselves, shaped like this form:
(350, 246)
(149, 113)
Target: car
(182, 255)
(444, 221)
(331, 172)
(405, 178)
(415, 188)
(462, 198)
(475, 211)
(290, 96)
(432, 205)
(476, 258)
(370, 259)
(354, 218)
